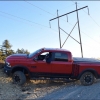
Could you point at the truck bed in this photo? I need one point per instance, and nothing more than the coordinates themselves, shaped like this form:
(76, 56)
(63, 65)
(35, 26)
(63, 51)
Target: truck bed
(85, 60)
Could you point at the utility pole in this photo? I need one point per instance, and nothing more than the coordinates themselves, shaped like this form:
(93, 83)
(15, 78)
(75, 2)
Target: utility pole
(77, 21)
(59, 30)
(79, 31)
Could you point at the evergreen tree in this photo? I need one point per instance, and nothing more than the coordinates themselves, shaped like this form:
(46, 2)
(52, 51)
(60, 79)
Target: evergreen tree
(6, 45)
(27, 52)
(18, 51)
(0, 55)
(6, 50)
(22, 51)
(10, 52)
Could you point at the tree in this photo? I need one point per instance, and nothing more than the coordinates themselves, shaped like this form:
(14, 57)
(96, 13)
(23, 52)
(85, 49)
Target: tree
(5, 50)
(19, 51)
(0, 55)
(22, 51)
(10, 52)
(27, 52)
(7, 46)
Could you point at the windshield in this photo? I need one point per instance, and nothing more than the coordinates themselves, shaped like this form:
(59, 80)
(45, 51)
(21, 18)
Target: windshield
(34, 53)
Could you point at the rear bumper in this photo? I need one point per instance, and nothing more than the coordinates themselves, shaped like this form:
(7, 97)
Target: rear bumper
(7, 70)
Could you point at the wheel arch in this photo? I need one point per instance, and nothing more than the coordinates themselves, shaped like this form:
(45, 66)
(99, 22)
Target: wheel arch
(24, 69)
(93, 71)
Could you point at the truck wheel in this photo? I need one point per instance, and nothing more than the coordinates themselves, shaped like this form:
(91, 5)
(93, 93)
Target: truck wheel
(19, 78)
(87, 78)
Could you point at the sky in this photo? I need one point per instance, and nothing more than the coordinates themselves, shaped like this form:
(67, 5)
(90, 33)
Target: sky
(26, 25)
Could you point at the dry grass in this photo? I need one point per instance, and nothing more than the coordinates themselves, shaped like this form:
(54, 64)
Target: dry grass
(1, 61)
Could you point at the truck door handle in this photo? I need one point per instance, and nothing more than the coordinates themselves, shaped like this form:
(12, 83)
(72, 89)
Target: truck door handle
(33, 66)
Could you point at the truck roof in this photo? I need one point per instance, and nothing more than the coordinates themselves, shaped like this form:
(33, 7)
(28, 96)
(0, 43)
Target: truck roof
(56, 49)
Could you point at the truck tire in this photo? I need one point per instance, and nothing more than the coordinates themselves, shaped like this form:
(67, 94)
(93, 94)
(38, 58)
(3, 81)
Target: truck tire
(87, 78)
(19, 78)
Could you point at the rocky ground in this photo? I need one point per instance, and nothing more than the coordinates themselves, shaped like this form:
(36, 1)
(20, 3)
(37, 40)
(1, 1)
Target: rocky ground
(31, 90)
(47, 89)
(75, 92)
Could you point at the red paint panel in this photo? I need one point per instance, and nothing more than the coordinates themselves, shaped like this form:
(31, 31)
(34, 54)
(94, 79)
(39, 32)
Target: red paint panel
(40, 66)
(61, 67)
(93, 66)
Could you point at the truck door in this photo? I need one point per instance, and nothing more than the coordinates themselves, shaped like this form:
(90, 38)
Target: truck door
(40, 65)
(60, 64)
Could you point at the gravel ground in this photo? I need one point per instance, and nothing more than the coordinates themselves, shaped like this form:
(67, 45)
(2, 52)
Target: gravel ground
(75, 91)
(47, 90)
(31, 90)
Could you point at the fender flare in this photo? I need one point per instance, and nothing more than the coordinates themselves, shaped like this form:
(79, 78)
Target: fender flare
(22, 67)
(95, 73)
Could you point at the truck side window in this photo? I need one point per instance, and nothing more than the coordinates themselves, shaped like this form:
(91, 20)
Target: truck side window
(43, 55)
(59, 56)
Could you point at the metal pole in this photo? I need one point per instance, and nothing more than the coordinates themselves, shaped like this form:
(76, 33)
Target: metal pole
(68, 13)
(68, 35)
(79, 31)
(59, 30)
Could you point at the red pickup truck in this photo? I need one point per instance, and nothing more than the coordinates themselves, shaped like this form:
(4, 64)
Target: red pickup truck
(50, 63)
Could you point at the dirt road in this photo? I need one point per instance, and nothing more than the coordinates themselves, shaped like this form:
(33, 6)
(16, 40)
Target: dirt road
(75, 91)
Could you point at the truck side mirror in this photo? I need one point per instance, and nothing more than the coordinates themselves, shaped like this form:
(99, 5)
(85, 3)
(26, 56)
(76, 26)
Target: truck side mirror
(35, 59)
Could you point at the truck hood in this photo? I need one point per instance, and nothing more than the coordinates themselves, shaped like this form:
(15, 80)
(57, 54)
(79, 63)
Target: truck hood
(17, 56)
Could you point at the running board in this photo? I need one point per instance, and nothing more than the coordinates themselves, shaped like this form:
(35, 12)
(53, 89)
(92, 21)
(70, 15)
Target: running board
(56, 79)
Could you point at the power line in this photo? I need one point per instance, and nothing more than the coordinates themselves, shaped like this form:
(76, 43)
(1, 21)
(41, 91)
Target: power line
(89, 46)
(20, 17)
(38, 23)
(63, 20)
(30, 24)
(45, 10)
(91, 38)
(92, 18)
(38, 7)
(87, 35)
(42, 8)
(94, 22)
(23, 19)
(77, 21)
(15, 19)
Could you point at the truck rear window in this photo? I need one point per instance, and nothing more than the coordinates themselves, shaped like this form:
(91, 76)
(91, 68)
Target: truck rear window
(59, 56)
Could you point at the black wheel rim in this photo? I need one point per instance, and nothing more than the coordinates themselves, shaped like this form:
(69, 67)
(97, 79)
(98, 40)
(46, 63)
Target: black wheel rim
(88, 78)
(17, 79)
